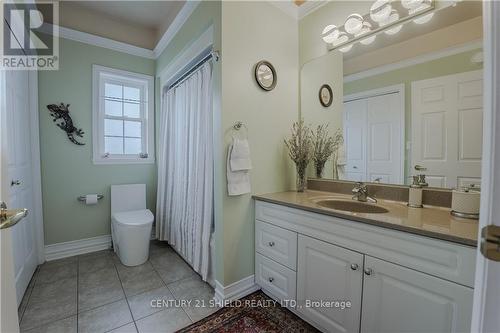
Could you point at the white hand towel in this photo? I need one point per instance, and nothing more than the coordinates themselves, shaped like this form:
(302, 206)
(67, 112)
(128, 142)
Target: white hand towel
(240, 155)
(341, 158)
(238, 182)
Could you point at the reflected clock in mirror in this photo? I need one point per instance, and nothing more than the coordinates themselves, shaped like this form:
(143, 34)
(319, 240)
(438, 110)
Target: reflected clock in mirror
(265, 75)
(325, 95)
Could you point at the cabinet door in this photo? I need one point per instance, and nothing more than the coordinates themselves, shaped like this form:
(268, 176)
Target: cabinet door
(326, 272)
(398, 299)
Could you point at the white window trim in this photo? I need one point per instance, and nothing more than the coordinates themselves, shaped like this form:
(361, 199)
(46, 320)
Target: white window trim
(98, 119)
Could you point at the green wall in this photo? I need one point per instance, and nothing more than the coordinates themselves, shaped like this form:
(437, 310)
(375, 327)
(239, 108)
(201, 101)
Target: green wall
(454, 64)
(67, 169)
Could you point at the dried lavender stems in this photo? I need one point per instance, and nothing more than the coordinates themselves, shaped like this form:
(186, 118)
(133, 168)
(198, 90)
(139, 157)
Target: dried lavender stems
(304, 146)
(300, 146)
(324, 147)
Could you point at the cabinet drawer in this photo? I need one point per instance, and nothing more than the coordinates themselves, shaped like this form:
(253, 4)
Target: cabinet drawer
(276, 243)
(274, 278)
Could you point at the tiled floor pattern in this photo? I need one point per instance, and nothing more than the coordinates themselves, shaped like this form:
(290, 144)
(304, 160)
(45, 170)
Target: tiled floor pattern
(96, 293)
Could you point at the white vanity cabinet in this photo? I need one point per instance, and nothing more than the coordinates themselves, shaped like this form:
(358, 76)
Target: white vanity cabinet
(395, 281)
(329, 272)
(397, 299)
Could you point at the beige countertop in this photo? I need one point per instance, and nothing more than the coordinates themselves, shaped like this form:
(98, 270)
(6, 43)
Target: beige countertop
(430, 221)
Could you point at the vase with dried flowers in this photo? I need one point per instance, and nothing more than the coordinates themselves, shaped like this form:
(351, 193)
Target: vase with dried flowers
(300, 146)
(324, 147)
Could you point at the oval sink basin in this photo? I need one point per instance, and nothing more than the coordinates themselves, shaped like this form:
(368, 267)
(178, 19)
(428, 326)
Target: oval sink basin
(352, 206)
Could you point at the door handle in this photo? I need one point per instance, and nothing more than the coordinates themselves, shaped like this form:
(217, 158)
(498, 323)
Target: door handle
(490, 242)
(420, 168)
(15, 182)
(9, 217)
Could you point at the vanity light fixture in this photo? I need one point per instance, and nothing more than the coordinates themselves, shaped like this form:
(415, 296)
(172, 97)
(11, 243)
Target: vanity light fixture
(385, 16)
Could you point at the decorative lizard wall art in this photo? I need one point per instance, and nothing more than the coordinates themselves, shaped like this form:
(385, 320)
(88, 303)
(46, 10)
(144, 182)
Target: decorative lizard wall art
(66, 124)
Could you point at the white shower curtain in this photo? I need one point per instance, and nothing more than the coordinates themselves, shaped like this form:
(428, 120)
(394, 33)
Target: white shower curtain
(184, 210)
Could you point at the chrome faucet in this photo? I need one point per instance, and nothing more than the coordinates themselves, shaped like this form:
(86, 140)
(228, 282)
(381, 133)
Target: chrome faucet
(360, 193)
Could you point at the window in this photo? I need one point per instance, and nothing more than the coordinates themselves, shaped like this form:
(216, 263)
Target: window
(122, 122)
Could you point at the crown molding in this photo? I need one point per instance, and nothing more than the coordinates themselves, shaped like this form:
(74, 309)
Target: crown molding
(112, 44)
(310, 6)
(107, 43)
(415, 60)
(298, 12)
(176, 25)
(288, 7)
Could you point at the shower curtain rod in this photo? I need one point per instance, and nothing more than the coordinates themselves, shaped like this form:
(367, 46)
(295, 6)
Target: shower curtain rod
(213, 54)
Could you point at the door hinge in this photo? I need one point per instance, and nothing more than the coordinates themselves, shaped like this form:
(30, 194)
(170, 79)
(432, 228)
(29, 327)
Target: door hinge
(490, 242)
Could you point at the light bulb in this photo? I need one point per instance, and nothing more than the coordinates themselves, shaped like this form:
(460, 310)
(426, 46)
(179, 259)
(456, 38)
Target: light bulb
(330, 33)
(423, 6)
(380, 10)
(353, 24)
(411, 4)
(342, 39)
(366, 29)
(346, 48)
(391, 19)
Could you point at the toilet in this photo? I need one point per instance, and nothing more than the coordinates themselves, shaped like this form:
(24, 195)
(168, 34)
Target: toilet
(130, 223)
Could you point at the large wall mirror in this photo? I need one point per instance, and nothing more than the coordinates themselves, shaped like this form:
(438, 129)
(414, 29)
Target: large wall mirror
(408, 101)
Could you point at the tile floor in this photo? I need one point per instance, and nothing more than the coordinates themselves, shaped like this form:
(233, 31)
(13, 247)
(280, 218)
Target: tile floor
(96, 293)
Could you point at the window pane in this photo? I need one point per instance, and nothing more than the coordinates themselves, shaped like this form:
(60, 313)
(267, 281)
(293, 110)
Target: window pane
(113, 145)
(113, 108)
(113, 90)
(132, 146)
(132, 110)
(133, 128)
(113, 127)
(131, 93)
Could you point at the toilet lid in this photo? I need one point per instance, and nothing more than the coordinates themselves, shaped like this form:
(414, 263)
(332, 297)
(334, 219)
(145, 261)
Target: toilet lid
(134, 217)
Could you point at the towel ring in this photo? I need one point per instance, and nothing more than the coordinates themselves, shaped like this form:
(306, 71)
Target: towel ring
(238, 126)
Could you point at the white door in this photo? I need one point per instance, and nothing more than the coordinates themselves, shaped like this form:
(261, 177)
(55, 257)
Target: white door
(329, 273)
(385, 123)
(398, 299)
(447, 129)
(485, 316)
(355, 140)
(8, 298)
(374, 136)
(19, 182)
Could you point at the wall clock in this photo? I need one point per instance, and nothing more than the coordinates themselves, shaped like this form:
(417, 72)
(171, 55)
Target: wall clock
(265, 75)
(325, 95)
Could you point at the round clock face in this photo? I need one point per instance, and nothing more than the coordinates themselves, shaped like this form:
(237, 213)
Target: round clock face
(325, 95)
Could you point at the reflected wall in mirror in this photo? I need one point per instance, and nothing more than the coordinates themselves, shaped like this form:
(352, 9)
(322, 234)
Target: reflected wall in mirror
(411, 101)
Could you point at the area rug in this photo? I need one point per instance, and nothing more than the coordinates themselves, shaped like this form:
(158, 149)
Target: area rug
(255, 313)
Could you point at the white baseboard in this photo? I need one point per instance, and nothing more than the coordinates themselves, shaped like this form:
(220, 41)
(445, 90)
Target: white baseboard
(235, 290)
(73, 248)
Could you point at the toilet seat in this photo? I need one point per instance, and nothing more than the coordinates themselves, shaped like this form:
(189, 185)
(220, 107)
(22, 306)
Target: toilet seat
(141, 217)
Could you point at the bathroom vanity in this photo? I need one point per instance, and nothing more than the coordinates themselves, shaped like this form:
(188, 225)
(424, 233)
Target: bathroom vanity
(404, 270)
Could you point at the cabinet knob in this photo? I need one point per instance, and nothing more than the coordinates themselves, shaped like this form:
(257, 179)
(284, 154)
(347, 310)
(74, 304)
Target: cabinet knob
(354, 267)
(368, 271)
(271, 244)
(15, 182)
(271, 279)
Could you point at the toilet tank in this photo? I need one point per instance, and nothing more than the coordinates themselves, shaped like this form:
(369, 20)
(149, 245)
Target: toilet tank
(128, 197)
